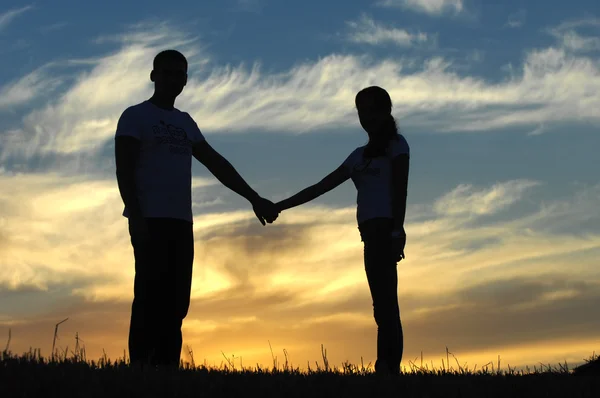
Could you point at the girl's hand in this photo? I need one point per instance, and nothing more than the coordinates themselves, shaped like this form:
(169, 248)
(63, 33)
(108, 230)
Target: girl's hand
(398, 244)
(265, 210)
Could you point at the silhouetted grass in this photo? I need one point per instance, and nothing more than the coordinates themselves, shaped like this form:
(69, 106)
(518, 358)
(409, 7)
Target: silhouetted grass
(70, 374)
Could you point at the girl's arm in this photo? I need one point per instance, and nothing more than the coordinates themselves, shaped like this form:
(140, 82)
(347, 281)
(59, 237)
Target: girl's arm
(400, 168)
(335, 178)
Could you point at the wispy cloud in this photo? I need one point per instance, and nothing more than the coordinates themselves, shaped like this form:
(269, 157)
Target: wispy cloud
(7, 17)
(36, 84)
(83, 117)
(368, 31)
(578, 23)
(464, 200)
(53, 27)
(433, 7)
(517, 19)
(553, 85)
(572, 40)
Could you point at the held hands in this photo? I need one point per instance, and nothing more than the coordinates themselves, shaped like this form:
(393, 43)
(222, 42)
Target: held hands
(265, 210)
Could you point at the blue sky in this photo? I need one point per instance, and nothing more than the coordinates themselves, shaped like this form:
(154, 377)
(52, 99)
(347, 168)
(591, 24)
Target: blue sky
(499, 103)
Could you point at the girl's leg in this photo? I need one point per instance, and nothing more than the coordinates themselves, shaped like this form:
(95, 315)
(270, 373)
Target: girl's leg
(382, 277)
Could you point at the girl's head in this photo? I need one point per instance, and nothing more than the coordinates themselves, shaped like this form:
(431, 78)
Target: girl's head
(374, 107)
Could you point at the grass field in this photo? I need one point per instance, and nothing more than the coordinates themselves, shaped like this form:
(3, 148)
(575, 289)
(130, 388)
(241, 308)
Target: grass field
(31, 375)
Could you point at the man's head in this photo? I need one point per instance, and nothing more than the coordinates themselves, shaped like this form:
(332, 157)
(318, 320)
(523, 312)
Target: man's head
(169, 73)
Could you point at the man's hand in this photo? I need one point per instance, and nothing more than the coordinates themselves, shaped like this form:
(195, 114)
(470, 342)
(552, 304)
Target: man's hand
(139, 228)
(265, 210)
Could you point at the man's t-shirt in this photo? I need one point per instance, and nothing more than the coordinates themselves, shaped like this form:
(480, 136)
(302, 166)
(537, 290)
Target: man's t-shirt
(164, 171)
(372, 179)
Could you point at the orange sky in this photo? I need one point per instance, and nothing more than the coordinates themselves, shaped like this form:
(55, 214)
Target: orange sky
(482, 289)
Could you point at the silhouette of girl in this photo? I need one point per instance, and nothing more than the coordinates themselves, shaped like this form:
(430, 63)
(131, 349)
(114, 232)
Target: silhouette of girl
(379, 171)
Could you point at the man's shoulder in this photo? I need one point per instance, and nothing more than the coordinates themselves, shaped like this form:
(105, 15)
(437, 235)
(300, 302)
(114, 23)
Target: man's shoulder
(130, 121)
(133, 110)
(183, 114)
(188, 119)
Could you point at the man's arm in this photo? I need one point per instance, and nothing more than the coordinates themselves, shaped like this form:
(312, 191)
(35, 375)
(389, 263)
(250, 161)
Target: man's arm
(332, 180)
(127, 150)
(399, 191)
(223, 171)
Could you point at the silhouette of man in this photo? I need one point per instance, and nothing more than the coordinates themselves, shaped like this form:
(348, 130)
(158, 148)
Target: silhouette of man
(154, 145)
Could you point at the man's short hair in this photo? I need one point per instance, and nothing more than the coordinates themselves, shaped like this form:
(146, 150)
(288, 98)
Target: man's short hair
(168, 55)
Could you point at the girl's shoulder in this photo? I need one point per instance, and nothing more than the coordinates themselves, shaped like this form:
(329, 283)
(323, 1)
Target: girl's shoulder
(399, 146)
(355, 156)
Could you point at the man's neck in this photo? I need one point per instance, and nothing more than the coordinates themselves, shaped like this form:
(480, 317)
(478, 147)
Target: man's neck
(161, 102)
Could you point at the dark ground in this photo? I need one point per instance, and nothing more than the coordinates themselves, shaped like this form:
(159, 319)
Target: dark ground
(30, 376)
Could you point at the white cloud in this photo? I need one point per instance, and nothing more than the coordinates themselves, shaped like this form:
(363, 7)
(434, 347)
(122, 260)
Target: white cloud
(464, 200)
(7, 17)
(553, 85)
(433, 7)
(573, 41)
(368, 31)
(517, 19)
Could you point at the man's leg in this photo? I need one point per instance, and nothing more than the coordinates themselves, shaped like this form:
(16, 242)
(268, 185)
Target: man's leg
(149, 255)
(176, 290)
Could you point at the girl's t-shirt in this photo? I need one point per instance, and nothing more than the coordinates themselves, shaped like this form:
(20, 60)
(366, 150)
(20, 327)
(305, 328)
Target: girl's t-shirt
(372, 177)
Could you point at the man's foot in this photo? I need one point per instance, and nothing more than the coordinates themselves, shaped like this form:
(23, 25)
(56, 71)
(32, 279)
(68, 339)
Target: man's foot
(168, 367)
(142, 366)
